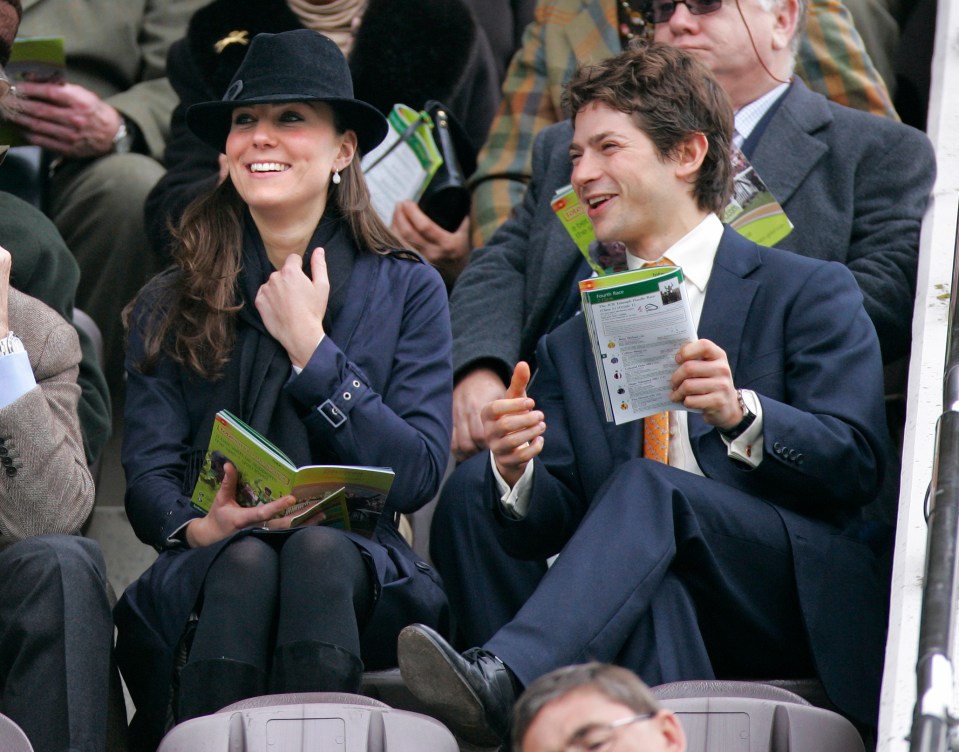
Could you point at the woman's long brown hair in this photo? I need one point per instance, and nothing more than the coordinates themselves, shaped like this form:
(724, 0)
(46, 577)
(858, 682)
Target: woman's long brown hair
(193, 320)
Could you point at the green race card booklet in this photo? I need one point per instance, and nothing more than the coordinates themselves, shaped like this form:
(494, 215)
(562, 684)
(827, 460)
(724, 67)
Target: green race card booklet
(637, 320)
(349, 497)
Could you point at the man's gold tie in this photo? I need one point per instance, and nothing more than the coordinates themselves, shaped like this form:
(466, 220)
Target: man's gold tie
(656, 426)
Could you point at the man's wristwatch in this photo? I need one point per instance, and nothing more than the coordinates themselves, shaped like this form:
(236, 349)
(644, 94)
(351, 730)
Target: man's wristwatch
(124, 139)
(740, 428)
(10, 344)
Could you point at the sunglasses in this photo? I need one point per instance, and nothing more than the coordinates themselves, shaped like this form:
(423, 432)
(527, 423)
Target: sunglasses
(662, 10)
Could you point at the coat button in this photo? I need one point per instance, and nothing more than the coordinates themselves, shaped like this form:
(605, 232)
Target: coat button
(11, 471)
(777, 448)
(799, 459)
(422, 566)
(793, 454)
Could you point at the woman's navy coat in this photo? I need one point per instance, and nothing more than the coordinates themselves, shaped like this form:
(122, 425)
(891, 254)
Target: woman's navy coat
(377, 391)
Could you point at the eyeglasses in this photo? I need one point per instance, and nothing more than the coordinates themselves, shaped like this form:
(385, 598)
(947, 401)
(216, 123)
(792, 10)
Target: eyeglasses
(662, 10)
(600, 737)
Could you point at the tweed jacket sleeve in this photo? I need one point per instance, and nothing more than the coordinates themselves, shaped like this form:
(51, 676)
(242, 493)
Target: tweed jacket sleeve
(831, 59)
(46, 486)
(44, 268)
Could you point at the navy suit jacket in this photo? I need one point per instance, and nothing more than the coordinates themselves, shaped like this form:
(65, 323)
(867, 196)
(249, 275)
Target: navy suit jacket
(795, 332)
(854, 185)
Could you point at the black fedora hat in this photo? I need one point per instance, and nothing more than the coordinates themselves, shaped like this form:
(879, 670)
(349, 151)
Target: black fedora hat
(293, 66)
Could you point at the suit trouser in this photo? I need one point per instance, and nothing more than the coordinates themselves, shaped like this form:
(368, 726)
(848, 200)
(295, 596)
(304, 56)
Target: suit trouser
(98, 207)
(673, 575)
(485, 585)
(56, 633)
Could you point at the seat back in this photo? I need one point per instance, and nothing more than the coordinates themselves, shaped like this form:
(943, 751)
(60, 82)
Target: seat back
(311, 721)
(24, 174)
(12, 738)
(752, 717)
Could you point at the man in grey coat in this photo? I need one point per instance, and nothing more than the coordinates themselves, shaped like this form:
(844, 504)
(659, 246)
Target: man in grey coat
(854, 185)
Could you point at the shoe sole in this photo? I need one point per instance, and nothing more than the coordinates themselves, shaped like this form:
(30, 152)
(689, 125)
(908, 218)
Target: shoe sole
(434, 681)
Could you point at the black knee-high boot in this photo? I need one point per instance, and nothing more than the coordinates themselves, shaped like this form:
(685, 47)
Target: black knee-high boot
(208, 685)
(313, 666)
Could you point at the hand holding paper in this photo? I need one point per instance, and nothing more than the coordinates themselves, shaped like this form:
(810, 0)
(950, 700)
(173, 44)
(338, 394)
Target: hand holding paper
(226, 516)
(67, 119)
(514, 430)
(704, 381)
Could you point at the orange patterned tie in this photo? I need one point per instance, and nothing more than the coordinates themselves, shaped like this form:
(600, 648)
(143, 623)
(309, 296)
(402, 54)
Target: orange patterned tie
(656, 426)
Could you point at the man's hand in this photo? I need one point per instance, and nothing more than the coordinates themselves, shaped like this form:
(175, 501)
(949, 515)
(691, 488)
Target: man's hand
(449, 252)
(513, 429)
(470, 395)
(292, 305)
(226, 516)
(6, 261)
(66, 119)
(704, 381)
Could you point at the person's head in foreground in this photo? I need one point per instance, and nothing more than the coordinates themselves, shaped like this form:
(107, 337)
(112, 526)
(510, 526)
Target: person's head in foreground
(650, 147)
(593, 707)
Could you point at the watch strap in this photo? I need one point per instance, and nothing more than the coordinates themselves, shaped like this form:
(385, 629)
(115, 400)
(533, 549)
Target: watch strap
(748, 417)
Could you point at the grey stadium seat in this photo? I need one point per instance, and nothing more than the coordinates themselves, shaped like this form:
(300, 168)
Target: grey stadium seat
(735, 716)
(310, 721)
(12, 738)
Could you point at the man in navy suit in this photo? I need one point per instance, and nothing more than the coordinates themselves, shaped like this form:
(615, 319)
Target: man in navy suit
(744, 554)
(854, 185)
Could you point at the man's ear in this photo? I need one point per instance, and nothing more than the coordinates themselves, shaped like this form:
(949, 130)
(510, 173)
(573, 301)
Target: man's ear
(689, 155)
(671, 730)
(348, 146)
(786, 18)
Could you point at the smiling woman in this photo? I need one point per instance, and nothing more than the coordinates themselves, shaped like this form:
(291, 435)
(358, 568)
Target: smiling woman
(290, 308)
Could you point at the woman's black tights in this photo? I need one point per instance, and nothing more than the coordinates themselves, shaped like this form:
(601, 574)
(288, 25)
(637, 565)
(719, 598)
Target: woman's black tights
(268, 591)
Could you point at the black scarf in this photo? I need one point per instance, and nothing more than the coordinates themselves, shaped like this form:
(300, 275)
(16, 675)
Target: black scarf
(252, 384)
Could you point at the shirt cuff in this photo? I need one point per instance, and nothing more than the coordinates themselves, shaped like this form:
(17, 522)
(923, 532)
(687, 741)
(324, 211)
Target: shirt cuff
(16, 377)
(748, 446)
(515, 500)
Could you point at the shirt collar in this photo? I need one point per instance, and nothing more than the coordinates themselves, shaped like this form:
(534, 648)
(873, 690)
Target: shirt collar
(694, 252)
(748, 116)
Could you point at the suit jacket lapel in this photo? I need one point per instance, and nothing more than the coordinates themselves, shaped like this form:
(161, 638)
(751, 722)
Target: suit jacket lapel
(729, 297)
(789, 148)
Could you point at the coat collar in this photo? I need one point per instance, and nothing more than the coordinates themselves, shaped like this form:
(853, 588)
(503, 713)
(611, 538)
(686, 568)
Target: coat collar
(790, 148)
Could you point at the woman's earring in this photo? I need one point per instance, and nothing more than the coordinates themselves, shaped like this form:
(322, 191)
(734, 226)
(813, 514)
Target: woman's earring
(336, 177)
